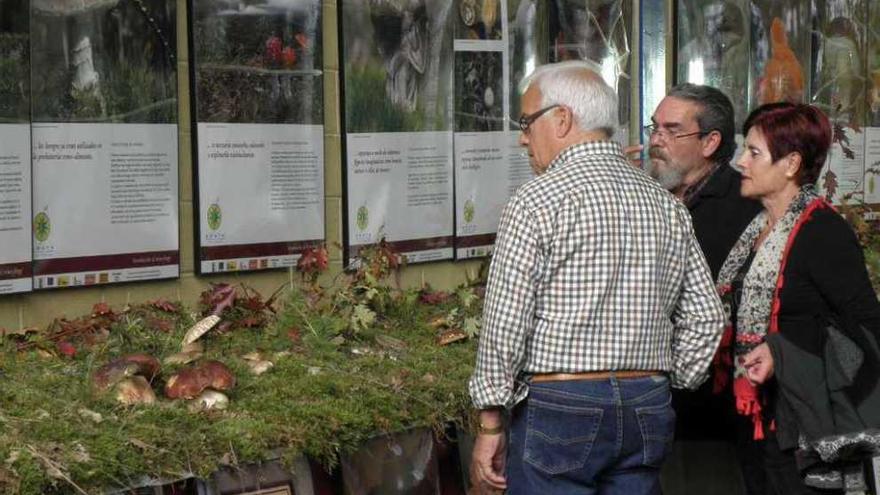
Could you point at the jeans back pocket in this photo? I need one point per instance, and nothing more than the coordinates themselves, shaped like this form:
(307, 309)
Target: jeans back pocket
(559, 437)
(657, 424)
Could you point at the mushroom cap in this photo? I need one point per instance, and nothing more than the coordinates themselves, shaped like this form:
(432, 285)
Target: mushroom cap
(189, 382)
(135, 390)
(126, 366)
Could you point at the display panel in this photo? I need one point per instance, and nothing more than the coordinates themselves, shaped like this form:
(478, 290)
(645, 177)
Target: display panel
(258, 132)
(872, 131)
(398, 100)
(489, 162)
(15, 151)
(104, 88)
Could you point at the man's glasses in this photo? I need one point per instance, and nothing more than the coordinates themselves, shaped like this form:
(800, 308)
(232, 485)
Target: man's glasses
(664, 134)
(525, 121)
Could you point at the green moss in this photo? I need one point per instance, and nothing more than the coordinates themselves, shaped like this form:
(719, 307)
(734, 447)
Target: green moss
(328, 392)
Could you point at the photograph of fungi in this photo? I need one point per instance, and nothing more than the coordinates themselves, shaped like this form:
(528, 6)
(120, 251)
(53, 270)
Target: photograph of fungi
(874, 64)
(598, 31)
(398, 64)
(15, 82)
(479, 92)
(478, 20)
(103, 61)
(257, 61)
(839, 55)
(779, 51)
(527, 46)
(713, 48)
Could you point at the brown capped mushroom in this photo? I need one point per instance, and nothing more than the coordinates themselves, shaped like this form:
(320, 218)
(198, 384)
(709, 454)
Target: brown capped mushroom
(127, 366)
(135, 390)
(188, 383)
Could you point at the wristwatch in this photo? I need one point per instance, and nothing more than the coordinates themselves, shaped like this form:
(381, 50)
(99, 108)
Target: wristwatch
(494, 430)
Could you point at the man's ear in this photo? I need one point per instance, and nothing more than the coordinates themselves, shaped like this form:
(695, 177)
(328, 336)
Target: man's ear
(564, 123)
(711, 143)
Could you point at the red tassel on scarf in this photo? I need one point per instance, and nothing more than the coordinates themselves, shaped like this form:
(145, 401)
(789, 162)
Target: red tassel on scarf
(748, 403)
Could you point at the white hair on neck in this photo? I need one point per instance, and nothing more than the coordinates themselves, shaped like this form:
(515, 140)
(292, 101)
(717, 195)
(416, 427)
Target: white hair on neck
(578, 85)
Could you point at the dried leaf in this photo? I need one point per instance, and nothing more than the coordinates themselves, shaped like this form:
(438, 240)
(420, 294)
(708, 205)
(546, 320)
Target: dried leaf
(200, 328)
(66, 349)
(830, 183)
(80, 454)
(389, 342)
(101, 309)
(451, 336)
(164, 305)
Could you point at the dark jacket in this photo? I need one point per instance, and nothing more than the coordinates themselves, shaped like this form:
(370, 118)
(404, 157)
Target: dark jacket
(826, 386)
(720, 215)
(825, 280)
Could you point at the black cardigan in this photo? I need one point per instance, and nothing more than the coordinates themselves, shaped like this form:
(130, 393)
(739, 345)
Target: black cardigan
(825, 280)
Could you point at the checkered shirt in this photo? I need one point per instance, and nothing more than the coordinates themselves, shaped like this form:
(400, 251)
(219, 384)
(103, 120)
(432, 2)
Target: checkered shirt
(596, 268)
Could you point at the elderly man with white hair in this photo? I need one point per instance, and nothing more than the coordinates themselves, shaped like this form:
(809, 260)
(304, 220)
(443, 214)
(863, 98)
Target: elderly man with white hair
(599, 300)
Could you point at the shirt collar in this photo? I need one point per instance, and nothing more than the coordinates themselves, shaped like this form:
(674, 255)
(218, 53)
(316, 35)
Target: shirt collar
(591, 148)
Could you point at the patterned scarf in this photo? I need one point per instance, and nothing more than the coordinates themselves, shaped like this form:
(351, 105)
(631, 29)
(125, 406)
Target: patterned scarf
(759, 303)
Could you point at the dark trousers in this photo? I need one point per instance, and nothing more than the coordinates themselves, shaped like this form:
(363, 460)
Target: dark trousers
(766, 469)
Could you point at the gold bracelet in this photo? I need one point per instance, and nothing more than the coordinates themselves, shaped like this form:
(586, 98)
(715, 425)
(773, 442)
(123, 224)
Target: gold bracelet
(495, 430)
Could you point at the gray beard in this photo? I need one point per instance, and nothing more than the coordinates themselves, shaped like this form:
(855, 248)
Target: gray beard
(669, 179)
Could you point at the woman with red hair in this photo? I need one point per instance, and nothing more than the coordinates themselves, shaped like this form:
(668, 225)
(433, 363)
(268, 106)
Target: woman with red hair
(804, 319)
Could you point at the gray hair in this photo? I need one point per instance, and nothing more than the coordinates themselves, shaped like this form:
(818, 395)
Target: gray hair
(715, 114)
(592, 102)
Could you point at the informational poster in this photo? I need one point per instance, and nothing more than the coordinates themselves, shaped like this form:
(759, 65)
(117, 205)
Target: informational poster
(872, 131)
(258, 132)
(104, 142)
(495, 43)
(843, 177)
(598, 31)
(15, 150)
(872, 165)
(398, 88)
(712, 39)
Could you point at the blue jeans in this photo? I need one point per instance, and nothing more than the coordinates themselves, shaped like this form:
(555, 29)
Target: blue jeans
(603, 437)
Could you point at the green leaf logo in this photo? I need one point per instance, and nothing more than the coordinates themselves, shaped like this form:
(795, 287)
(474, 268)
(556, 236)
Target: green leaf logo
(363, 218)
(215, 216)
(42, 226)
(469, 211)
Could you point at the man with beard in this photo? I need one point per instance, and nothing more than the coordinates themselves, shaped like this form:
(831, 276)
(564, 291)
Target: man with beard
(692, 143)
(691, 138)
